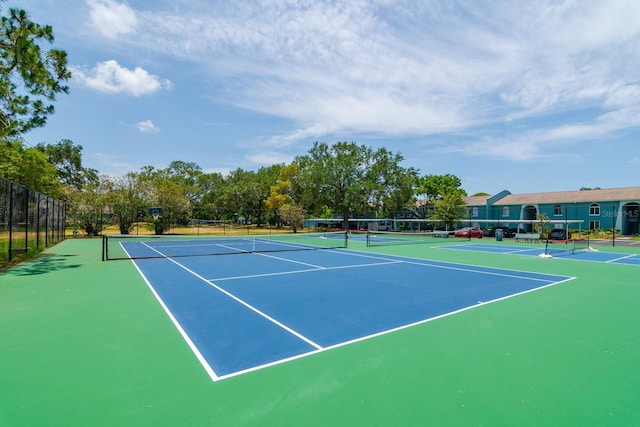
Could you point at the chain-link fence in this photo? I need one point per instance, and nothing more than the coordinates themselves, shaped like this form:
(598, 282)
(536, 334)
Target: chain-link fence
(29, 221)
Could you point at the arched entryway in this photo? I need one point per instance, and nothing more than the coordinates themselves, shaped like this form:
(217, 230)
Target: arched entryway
(529, 213)
(631, 219)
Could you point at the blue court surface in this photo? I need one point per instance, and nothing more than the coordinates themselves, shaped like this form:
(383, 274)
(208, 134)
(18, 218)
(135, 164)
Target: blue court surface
(243, 312)
(557, 252)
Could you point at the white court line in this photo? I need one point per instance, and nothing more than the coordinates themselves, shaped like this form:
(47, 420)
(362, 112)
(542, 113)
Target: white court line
(242, 302)
(491, 249)
(209, 370)
(623, 257)
(388, 260)
(281, 273)
(517, 251)
(319, 267)
(381, 333)
(456, 266)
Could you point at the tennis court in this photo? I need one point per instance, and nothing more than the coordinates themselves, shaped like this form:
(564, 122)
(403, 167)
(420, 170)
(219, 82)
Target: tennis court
(370, 335)
(248, 311)
(555, 250)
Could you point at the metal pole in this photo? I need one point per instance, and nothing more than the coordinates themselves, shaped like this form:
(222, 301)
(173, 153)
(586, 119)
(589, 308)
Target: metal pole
(10, 220)
(38, 222)
(26, 220)
(613, 228)
(46, 224)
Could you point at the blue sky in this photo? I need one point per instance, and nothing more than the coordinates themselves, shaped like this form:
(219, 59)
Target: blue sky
(525, 96)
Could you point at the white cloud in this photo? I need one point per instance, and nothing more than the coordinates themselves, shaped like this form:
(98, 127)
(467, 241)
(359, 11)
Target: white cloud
(111, 77)
(407, 68)
(112, 18)
(147, 126)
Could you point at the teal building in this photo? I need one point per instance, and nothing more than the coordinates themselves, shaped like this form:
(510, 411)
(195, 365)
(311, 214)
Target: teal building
(600, 209)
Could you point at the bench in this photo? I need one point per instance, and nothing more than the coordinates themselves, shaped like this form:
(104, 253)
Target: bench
(527, 237)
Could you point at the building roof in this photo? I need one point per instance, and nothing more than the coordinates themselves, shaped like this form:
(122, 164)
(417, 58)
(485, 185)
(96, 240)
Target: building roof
(576, 196)
(476, 200)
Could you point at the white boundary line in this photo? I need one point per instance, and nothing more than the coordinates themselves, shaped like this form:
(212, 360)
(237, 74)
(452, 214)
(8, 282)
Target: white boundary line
(282, 273)
(207, 367)
(175, 322)
(212, 374)
(392, 259)
(455, 266)
(388, 331)
(618, 259)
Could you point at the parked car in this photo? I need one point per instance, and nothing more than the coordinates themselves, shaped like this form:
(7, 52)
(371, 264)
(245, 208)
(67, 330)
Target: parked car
(506, 231)
(559, 234)
(469, 232)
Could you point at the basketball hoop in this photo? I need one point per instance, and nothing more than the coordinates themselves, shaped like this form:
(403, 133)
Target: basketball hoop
(155, 213)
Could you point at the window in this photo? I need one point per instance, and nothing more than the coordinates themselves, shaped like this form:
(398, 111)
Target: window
(594, 225)
(557, 210)
(474, 212)
(505, 211)
(594, 209)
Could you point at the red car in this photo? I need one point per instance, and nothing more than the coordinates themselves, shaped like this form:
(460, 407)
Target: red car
(469, 232)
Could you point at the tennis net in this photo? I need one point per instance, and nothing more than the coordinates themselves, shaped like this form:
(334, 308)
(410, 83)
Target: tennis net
(383, 238)
(566, 247)
(122, 246)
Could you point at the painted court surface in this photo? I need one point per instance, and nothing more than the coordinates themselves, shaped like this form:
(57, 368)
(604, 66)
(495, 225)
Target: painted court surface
(481, 333)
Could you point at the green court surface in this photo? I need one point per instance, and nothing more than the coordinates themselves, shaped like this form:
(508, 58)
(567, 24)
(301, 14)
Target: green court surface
(85, 343)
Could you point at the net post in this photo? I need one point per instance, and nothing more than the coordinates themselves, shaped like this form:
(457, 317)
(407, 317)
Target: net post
(104, 247)
(546, 246)
(346, 239)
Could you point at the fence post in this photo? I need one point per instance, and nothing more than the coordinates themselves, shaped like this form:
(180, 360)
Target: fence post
(38, 222)
(10, 220)
(26, 219)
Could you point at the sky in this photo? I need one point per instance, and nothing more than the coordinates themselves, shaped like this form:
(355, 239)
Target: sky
(531, 96)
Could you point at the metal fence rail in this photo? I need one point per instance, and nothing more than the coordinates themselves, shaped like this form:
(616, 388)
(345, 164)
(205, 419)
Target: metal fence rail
(29, 221)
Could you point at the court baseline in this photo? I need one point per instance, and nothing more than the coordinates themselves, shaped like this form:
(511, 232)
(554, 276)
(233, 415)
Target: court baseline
(243, 312)
(579, 255)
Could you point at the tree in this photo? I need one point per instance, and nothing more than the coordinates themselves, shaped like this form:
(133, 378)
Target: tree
(28, 166)
(543, 224)
(30, 78)
(159, 189)
(434, 187)
(67, 158)
(209, 206)
(246, 192)
(239, 193)
(125, 200)
(400, 192)
(450, 209)
(266, 177)
(87, 207)
(185, 175)
(283, 195)
(294, 215)
(348, 178)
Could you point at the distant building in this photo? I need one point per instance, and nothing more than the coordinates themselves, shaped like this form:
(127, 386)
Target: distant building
(604, 209)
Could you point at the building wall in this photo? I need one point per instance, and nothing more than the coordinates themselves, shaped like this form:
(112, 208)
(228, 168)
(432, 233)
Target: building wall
(621, 215)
